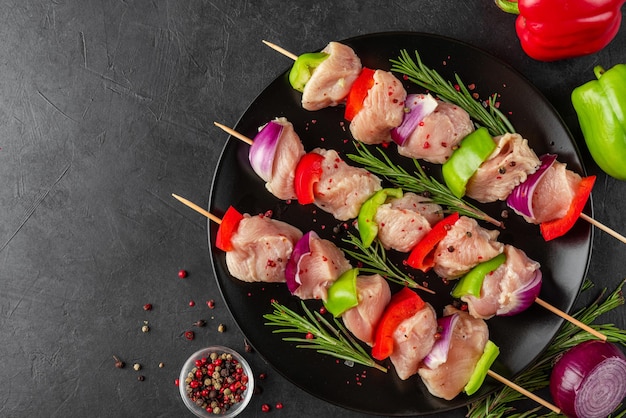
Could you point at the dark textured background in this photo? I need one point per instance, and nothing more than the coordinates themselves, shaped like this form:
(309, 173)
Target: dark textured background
(106, 108)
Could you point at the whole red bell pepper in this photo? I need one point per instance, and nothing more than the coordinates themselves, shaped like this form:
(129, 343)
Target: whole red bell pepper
(402, 305)
(551, 30)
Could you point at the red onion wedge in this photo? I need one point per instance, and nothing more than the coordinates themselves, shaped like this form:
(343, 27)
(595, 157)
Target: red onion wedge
(439, 353)
(263, 149)
(523, 297)
(521, 198)
(417, 107)
(589, 380)
(292, 268)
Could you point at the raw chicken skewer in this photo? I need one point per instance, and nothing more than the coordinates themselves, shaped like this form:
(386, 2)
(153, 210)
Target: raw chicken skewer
(582, 215)
(491, 373)
(538, 300)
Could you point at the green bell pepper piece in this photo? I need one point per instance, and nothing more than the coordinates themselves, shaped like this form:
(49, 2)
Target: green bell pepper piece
(601, 109)
(472, 282)
(490, 353)
(303, 68)
(342, 294)
(368, 228)
(473, 150)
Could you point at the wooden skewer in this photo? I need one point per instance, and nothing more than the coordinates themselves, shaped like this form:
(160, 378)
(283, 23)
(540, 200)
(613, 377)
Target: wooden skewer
(570, 319)
(603, 227)
(524, 391)
(281, 50)
(198, 209)
(234, 133)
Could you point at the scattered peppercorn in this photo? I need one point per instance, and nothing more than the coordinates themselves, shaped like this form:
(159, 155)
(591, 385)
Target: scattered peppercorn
(182, 273)
(145, 328)
(199, 323)
(221, 328)
(147, 307)
(210, 304)
(265, 408)
(137, 366)
(279, 405)
(192, 303)
(246, 346)
(118, 363)
(189, 335)
(161, 365)
(262, 376)
(141, 378)
(309, 336)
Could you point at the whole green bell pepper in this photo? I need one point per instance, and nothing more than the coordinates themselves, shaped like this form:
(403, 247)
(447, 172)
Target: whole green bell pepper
(303, 68)
(601, 108)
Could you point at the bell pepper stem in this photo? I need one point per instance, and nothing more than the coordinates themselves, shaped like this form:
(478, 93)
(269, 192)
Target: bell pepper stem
(508, 6)
(598, 70)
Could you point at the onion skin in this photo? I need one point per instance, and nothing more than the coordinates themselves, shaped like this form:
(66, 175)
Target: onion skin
(589, 380)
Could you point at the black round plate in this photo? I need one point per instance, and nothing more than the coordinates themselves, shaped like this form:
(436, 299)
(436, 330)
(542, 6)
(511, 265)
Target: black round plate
(521, 338)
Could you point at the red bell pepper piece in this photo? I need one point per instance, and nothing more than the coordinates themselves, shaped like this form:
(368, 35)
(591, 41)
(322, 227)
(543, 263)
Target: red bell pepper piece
(402, 305)
(358, 93)
(550, 30)
(308, 173)
(559, 227)
(228, 226)
(422, 256)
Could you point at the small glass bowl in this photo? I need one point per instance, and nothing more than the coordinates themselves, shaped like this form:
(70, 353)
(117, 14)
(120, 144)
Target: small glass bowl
(235, 408)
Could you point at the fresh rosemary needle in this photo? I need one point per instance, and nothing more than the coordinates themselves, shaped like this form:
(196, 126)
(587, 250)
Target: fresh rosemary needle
(375, 261)
(418, 182)
(327, 339)
(486, 114)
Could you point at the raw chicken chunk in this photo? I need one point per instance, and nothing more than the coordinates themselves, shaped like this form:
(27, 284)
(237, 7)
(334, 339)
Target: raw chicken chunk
(508, 166)
(343, 188)
(374, 295)
(262, 247)
(331, 81)
(383, 109)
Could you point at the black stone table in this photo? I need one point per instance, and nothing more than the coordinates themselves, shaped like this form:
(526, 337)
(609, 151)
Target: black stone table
(107, 107)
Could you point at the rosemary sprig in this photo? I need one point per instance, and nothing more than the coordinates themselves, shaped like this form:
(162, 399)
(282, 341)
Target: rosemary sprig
(418, 182)
(537, 376)
(486, 114)
(375, 261)
(336, 342)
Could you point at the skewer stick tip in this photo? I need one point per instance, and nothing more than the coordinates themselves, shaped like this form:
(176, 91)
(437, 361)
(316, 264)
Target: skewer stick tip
(197, 208)
(281, 50)
(234, 133)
